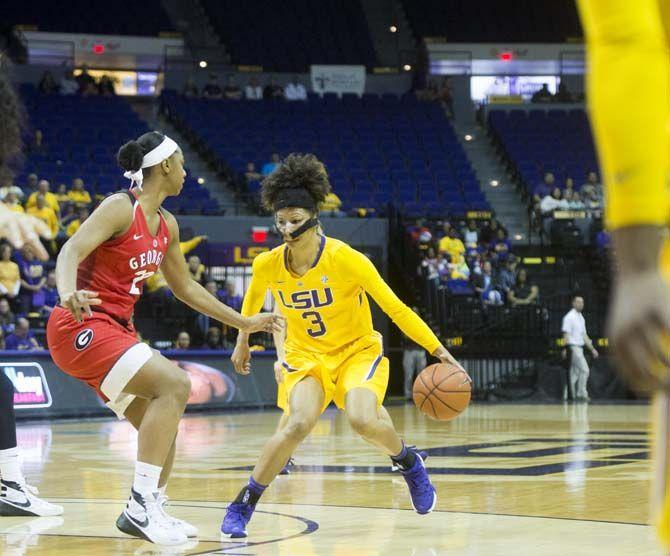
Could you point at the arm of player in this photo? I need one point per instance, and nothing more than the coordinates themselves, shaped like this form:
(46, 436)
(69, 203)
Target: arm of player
(359, 268)
(252, 304)
(113, 216)
(279, 338)
(186, 289)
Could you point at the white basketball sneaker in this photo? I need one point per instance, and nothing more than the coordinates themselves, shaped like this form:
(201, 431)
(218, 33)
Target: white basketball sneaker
(188, 529)
(21, 500)
(144, 518)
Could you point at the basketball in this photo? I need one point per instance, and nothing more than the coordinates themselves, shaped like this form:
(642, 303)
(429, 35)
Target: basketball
(442, 391)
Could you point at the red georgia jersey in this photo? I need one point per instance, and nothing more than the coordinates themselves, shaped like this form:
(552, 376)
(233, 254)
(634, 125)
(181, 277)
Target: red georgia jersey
(117, 268)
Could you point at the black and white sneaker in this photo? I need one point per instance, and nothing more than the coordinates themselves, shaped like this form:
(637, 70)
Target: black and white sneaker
(189, 530)
(21, 500)
(144, 518)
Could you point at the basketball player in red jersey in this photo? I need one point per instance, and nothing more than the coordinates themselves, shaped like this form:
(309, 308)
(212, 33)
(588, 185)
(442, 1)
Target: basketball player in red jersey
(100, 273)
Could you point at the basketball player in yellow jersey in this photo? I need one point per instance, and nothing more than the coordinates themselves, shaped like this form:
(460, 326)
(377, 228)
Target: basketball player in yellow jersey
(331, 350)
(628, 88)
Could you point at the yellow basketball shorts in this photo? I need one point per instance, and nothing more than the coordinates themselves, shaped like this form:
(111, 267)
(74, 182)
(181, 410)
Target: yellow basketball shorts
(360, 364)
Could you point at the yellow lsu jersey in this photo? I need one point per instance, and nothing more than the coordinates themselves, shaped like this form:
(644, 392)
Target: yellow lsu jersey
(327, 308)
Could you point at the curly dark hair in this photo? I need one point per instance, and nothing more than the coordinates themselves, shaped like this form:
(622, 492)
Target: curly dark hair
(296, 170)
(11, 121)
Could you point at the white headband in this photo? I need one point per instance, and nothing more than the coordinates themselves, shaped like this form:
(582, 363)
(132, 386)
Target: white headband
(153, 157)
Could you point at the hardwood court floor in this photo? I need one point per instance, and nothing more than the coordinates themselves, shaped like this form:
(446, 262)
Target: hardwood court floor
(511, 480)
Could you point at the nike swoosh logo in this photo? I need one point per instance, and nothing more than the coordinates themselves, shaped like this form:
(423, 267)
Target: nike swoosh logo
(25, 504)
(142, 524)
(138, 236)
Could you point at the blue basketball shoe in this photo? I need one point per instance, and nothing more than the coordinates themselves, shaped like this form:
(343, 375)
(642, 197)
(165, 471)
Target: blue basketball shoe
(421, 491)
(237, 516)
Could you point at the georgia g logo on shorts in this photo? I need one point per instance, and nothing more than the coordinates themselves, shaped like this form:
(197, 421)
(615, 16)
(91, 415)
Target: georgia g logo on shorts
(83, 339)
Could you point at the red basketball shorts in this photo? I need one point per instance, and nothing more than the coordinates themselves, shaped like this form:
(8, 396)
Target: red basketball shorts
(99, 351)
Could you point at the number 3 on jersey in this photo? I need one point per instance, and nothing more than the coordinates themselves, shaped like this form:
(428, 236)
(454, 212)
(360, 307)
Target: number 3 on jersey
(315, 320)
(140, 276)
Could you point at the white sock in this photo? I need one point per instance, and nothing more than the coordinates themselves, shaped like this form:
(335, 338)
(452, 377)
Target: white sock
(146, 478)
(10, 466)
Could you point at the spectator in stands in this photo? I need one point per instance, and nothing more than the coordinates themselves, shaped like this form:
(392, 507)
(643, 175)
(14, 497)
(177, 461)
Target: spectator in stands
(22, 338)
(273, 90)
(45, 213)
(7, 319)
(10, 187)
(62, 196)
(43, 188)
(430, 93)
(269, 167)
(446, 97)
(252, 174)
(545, 188)
(47, 85)
(452, 246)
(36, 144)
(295, 90)
(11, 201)
(229, 296)
(446, 226)
(32, 278)
(196, 268)
(74, 225)
(574, 200)
(10, 275)
(183, 340)
(592, 201)
(68, 84)
(212, 90)
(86, 81)
(214, 338)
(232, 90)
(78, 195)
(2, 339)
(429, 263)
(106, 86)
(500, 247)
(592, 187)
(506, 278)
(331, 205)
(471, 235)
(483, 285)
(569, 186)
(542, 95)
(524, 292)
(253, 91)
(190, 89)
(563, 94)
(31, 183)
(49, 294)
(553, 202)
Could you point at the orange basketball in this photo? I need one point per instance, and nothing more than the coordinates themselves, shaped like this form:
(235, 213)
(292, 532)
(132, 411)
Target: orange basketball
(442, 391)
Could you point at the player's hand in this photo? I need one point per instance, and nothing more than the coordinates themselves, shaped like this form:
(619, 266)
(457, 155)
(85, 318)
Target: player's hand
(443, 355)
(279, 376)
(24, 229)
(264, 322)
(639, 329)
(595, 353)
(79, 303)
(241, 358)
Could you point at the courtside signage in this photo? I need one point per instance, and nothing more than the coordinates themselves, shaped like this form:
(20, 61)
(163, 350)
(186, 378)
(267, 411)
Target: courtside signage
(30, 384)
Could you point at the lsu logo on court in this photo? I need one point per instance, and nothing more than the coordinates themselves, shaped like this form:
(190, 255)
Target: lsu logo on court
(307, 299)
(83, 339)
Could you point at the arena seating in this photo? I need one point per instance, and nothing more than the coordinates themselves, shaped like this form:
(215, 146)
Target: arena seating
(539, 141)
(490, 21)
(81, 138)
(294, 34)
(376, 149)
(122, 17)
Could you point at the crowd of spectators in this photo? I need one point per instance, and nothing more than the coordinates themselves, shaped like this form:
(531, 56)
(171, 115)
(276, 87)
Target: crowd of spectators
(253, 90)
(83, 84)
(475, 259)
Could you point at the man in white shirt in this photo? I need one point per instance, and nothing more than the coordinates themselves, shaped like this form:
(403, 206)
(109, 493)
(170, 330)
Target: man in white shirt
(295, 90)
(575, 336)
(253, 91)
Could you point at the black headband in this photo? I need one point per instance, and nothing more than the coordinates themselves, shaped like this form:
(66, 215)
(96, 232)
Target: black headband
(295, 197)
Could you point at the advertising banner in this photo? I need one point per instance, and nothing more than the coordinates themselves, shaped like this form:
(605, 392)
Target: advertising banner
(43, 390)
(338, 79)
